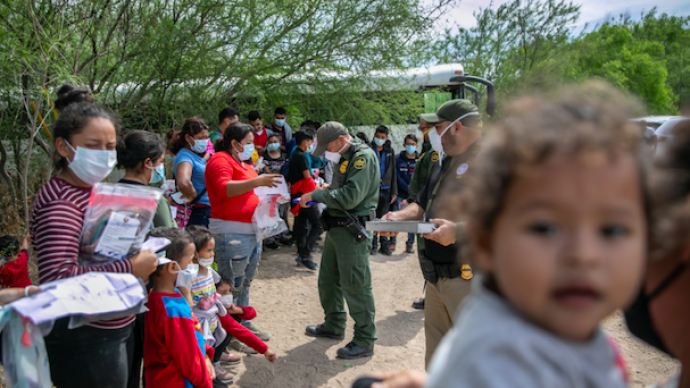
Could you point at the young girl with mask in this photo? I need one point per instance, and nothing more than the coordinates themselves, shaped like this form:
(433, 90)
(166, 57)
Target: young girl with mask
(204, 298)
(189, 148)
(274, 157)
(231, 182)
(142, 155)
(94, 355)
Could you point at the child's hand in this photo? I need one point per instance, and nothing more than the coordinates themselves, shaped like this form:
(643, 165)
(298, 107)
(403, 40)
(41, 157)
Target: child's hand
(210, 368)
(271, 356)
(235, 310)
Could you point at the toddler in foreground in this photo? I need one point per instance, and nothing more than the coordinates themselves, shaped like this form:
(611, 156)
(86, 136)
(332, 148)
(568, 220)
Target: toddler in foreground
(556, 206)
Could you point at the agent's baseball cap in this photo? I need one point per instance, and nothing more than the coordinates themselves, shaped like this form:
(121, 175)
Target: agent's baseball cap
(328, 132)
(451, 110)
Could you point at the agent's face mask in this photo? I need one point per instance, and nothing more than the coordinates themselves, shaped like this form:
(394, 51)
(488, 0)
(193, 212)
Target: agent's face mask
(435, 138)
(335, 156)
(638, 317)
(157, 173)
(186, 276)
(91, 166)
(199, 146)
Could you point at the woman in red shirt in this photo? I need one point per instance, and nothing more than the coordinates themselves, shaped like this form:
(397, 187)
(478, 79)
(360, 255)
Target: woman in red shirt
(230, 183)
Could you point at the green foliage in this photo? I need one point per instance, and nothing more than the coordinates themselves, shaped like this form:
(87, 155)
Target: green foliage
(523, 45)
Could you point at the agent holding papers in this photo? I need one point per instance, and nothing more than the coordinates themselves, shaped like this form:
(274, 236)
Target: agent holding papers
(93, 355)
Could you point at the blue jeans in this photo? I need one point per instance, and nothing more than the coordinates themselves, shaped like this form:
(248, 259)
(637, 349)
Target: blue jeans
(410, 236)
(238, 257)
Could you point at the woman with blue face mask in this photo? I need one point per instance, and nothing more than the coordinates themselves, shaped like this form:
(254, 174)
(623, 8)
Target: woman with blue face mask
(231, 182)
(189, 148)
(142, 155)
(94, 355)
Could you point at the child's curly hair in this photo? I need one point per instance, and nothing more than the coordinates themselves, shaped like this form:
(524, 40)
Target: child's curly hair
(671, 195)
(589, 121)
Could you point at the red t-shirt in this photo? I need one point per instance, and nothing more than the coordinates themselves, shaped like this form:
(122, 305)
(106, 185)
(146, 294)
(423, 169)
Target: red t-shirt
(220, 169)
(16, 273)
(261, 140)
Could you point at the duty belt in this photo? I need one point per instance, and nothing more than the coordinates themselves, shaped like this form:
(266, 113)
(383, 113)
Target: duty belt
(339, 222)
(433, 271)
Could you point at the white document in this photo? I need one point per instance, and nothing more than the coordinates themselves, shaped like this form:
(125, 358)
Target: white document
(264, 192)
(118, 236)
(155, 244)
(92, 293)
(177, 197)
(173, 212)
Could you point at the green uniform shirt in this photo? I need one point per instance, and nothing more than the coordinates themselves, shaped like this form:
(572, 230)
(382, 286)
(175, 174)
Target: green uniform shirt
(421, 172)
(355, 183)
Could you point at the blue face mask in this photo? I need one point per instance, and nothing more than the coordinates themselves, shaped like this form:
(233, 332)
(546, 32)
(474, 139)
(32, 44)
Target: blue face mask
(157, 174)
(379, 142)
(410, 149)
(199, 146)
(311, 148)
(280, 123)
(273, 146)
(247, 152)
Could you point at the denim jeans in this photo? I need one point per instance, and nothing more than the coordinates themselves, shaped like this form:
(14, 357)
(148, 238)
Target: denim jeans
(238, 257)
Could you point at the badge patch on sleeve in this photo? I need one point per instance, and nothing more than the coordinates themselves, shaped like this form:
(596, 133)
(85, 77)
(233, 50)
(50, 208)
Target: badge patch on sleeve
(343, 167)
(360, 163)
(466, 272)
(434, 157)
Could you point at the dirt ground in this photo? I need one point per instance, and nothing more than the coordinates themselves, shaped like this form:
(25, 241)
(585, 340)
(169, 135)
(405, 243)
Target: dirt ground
(286, 299)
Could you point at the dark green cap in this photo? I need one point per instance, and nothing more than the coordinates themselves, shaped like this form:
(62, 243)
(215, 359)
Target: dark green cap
(451, 110)
(327, 133)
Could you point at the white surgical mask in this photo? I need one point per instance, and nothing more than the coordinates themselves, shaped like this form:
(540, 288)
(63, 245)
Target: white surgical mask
(246, 153)
(206, 262)
(199, 146)
(335, 156)
(91, 166)
(435, 138)
(186, 276)
(226, 300)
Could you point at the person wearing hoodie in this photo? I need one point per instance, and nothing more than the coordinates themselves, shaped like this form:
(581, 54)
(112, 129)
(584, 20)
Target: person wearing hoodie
(389, 183)
(406, 162)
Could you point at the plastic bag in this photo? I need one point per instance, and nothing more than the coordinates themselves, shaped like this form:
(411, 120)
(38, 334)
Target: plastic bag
(266, 218)
(116, 221)
(24, 355)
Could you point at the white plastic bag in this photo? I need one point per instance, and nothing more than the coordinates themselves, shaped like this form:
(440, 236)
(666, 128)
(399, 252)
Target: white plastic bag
(266, 218)
(116, 221)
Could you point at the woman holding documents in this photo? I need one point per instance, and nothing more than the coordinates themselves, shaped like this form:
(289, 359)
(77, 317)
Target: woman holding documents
(94, 355)
(231, 181)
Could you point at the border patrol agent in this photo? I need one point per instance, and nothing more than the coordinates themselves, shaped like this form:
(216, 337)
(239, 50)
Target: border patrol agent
(457, 130)
(344, 270)
(419, 178)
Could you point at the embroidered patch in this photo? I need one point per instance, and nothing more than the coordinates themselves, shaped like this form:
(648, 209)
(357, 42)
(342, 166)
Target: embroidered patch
(463, 168)
(466, 272)
(360, 163)
(343, 167)
(434, 157)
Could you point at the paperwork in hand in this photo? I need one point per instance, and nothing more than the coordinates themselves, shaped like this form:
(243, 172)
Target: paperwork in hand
(92, 293)
(400, 226)
(264, 192)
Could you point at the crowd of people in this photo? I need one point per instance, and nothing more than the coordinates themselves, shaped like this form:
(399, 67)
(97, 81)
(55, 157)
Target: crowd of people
(542, 229)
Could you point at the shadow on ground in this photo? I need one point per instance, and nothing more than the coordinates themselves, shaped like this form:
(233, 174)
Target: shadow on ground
(399, 329)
